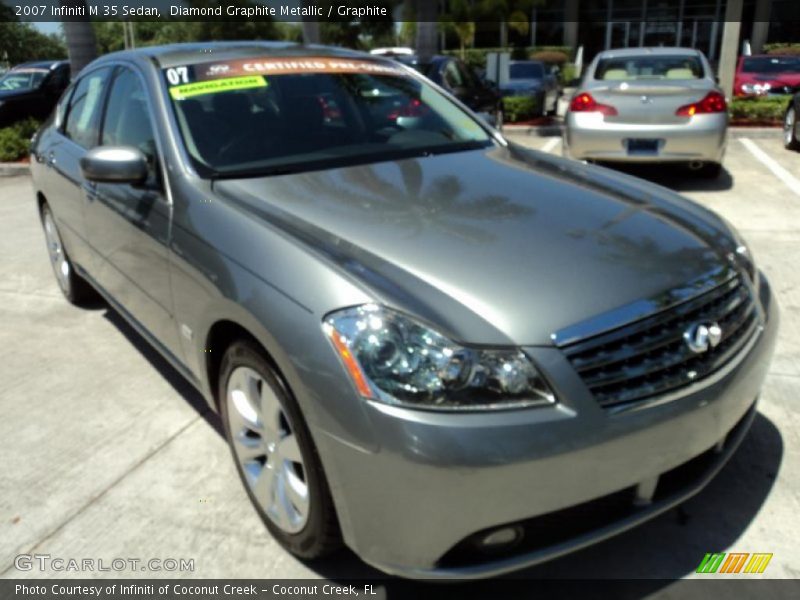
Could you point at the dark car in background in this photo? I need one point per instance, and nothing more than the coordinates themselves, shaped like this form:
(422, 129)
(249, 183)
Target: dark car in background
(454, 75)
(32, 90)
(767, 74)
(456, 355)
(536, 79)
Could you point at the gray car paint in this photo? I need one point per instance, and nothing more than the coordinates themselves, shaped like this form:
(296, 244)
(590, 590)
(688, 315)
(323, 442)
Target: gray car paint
(497, 246)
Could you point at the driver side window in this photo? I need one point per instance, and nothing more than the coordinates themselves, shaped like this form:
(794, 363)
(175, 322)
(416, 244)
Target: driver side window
(127, 120)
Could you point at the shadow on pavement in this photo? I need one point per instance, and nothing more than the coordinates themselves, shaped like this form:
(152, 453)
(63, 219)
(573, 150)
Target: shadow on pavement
(186, 390)
(647, 558)
(677, 177)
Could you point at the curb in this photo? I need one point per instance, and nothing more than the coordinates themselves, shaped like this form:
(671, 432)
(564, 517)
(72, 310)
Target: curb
(557, 129)
(14, 169)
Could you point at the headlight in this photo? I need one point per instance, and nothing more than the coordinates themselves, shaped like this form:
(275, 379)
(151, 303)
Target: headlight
(756, 88)
(394, 359)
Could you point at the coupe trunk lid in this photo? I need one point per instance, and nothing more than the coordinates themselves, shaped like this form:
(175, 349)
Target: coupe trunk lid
(650, 102)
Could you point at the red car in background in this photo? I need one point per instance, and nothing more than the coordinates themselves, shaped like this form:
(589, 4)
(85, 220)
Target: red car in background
(766, 74)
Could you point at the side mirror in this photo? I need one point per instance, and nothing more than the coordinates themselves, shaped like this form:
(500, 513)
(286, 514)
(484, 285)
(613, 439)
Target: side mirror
(114, 164)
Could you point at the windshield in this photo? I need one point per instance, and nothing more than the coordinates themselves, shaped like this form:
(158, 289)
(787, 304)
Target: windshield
(526, 71)
(629, 68)
(22, 79)
(270, 116)
(772, 64)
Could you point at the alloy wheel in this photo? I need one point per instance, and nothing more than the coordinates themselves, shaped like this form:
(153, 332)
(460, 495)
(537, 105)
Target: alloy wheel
(267, 449)
(789, 125)
(55, 249)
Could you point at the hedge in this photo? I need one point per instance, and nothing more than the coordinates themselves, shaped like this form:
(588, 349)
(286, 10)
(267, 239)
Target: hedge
(476, 57)
(759, 110)
(15, 140)
(520, 108)
(782, 48)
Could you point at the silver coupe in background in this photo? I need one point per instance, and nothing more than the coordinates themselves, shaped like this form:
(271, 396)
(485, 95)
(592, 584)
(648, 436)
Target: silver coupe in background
(649, 105)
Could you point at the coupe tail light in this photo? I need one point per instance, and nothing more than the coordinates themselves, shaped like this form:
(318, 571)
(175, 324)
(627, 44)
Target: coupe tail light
(585, 103)
(714, 102)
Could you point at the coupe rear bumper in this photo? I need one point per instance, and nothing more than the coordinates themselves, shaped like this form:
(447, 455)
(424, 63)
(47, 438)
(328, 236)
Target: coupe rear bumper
(589, 136)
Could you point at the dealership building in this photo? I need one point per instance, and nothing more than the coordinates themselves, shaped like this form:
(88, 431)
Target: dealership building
(603, 24)
(719, 28)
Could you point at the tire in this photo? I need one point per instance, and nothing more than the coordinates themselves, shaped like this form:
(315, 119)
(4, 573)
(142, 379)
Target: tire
(710, 170)
(790, 141)
(264, 426)
(75, 288)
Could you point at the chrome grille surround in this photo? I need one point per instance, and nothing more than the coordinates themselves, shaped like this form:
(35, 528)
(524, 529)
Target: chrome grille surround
(639, 361)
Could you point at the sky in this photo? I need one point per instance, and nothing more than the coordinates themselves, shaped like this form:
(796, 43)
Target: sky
(48, 26)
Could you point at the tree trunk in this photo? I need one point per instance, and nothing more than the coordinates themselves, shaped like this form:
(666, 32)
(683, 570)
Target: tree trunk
(310, 27)
(427, 16)
(81, 44)
(503, 34)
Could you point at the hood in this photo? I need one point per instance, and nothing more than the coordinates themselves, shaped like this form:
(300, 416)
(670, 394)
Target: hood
(777, 80)
(498, 245)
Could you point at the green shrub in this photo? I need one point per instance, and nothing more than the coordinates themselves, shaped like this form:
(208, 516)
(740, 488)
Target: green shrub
(760, 110)
(476, 57)
(550, 57)
(782, 48)
(15, 140)
(520, 108)
(567, 74)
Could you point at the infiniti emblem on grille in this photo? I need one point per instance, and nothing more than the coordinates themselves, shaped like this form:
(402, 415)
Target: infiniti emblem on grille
(700, 337)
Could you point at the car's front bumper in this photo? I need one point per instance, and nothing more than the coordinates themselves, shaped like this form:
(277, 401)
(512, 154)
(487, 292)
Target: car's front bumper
(589, 136)
(437, 478)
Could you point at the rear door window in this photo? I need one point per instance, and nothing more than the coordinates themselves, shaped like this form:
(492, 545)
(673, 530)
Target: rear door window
(627, 68)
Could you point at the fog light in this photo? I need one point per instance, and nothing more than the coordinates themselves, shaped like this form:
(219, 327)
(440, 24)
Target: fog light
(501, 537)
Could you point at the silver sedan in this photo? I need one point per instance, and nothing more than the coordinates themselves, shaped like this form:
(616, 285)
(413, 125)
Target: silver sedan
(649, 105)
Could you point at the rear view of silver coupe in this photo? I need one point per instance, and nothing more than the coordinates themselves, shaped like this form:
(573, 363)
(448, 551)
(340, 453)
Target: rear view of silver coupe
(649, 105)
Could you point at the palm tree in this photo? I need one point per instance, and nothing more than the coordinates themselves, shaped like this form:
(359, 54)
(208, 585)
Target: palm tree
(511, 13)
(460, 20)
(81, 44)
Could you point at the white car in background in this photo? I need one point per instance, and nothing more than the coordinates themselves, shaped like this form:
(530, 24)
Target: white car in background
(649, 105)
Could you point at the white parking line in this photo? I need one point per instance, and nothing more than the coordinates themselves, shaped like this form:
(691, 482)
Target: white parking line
(550, 144)
(790, 180)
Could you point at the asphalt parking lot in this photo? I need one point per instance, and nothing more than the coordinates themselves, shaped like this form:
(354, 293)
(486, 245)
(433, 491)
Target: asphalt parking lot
(108, 453)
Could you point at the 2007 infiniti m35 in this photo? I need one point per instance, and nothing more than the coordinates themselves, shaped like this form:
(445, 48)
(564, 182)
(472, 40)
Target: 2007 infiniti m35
(457, 356)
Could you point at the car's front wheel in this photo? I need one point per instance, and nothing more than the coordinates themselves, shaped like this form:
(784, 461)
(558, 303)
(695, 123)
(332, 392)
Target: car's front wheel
(274, 454)
(75, 289)
(790, 140)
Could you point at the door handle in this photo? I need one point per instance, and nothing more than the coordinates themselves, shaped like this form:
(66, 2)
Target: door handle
(90, 189)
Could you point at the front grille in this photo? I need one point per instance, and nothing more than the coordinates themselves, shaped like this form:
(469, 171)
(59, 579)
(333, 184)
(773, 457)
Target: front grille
(650, 357)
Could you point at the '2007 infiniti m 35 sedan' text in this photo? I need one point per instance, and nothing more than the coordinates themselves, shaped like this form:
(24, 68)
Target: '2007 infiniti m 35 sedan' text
(425, 342)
